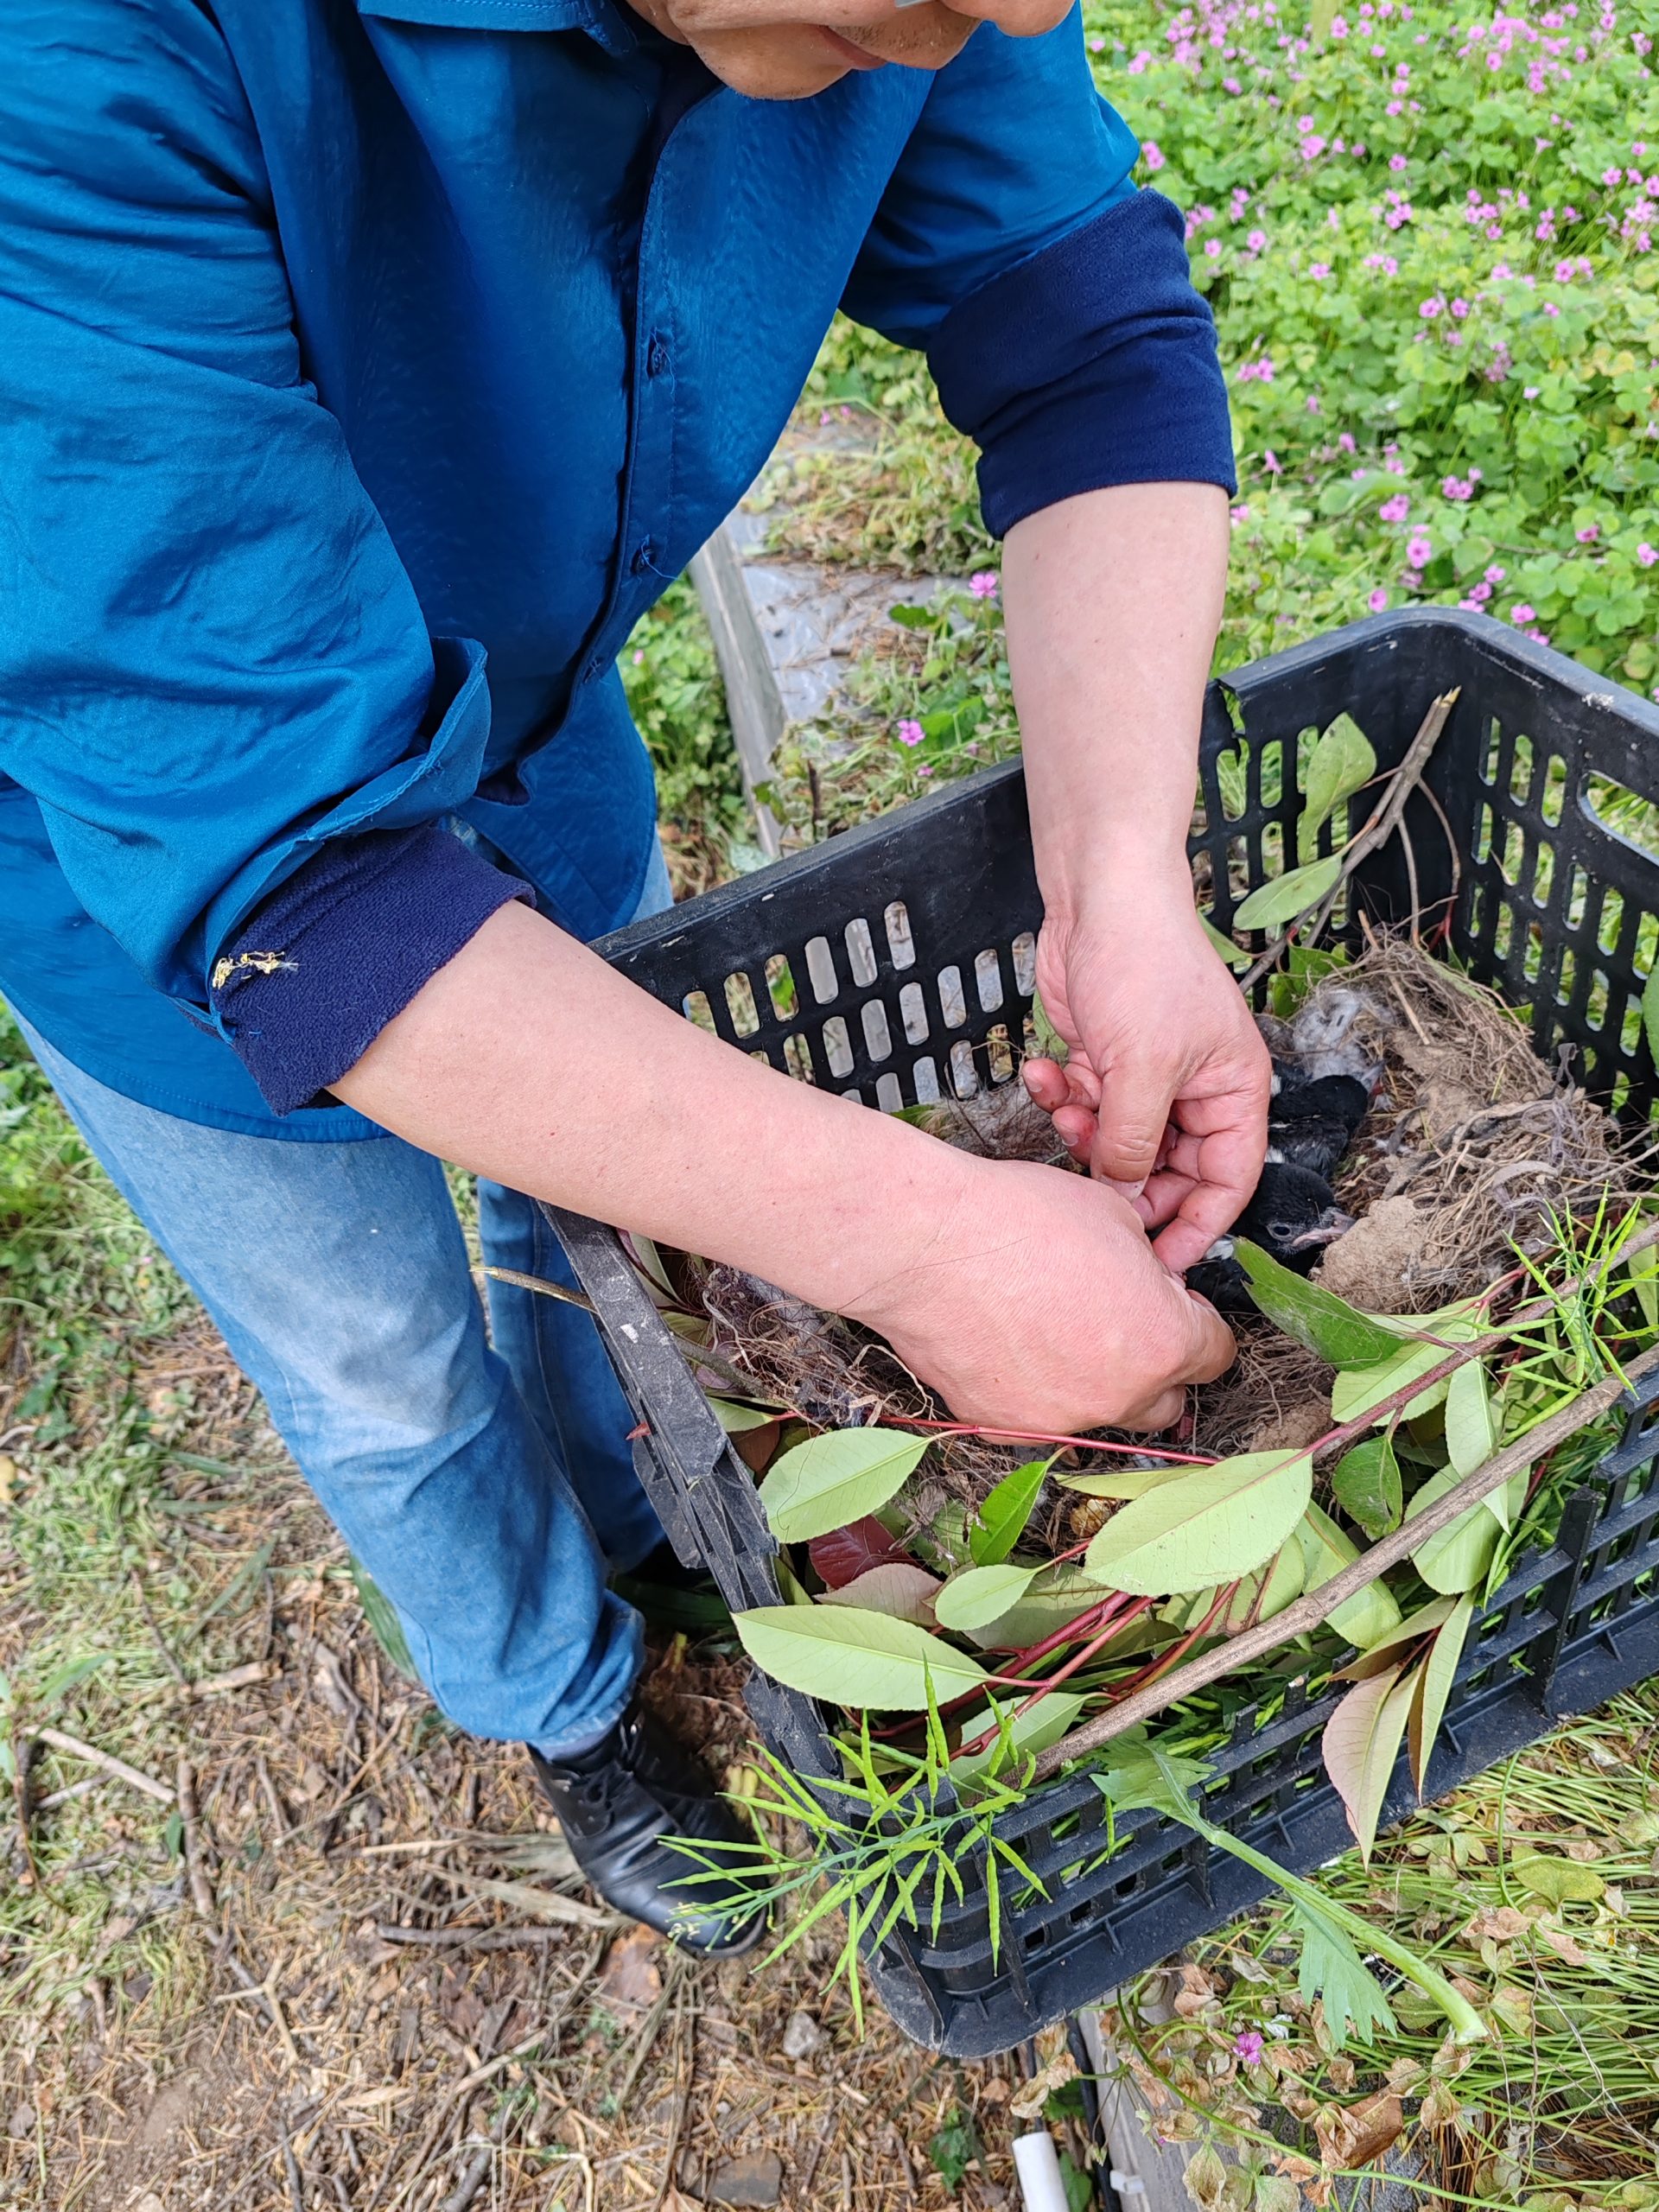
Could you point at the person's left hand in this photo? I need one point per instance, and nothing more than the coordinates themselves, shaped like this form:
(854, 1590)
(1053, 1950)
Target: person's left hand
(1165, 1094)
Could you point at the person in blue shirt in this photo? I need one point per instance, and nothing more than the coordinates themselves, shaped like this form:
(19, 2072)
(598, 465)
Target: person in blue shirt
(367, 367)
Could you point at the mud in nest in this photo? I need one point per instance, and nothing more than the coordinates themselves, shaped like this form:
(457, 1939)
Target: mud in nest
(1471, 1143)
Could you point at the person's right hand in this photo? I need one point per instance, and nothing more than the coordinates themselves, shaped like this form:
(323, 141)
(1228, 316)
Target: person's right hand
(1039, 1305)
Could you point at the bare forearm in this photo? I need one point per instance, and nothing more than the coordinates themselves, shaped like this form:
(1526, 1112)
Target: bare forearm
(529, 1060)
(1113, 602)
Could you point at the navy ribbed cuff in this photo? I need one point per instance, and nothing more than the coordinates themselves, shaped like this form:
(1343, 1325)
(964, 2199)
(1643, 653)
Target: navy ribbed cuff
(317, 971)
(1093, 363)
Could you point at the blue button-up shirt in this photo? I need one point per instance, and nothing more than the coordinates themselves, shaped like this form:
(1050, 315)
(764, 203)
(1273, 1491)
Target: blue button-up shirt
(366, 368)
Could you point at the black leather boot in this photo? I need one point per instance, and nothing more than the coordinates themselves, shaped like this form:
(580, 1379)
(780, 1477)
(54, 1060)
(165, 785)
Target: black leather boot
(617, 1802)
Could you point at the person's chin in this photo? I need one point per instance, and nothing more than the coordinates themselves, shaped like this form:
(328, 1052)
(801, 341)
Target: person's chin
(804, 66)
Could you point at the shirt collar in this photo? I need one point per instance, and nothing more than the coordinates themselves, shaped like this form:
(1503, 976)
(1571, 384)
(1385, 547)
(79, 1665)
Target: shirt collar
(607, 24)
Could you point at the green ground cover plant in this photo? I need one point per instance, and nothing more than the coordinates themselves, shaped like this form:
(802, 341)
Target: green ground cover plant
(1428, 235)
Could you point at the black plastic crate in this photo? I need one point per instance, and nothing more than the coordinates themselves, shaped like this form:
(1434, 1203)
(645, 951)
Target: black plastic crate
(909, 942)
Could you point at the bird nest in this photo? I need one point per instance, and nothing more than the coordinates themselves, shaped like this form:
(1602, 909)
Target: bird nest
(1471, 1145)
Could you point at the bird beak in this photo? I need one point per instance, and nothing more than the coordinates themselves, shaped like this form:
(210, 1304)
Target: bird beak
(1331, 1224)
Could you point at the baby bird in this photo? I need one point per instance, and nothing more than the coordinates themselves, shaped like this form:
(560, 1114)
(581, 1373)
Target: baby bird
(1293, 1214)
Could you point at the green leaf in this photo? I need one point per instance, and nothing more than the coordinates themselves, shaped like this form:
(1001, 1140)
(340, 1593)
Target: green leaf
(1051, 1045)
(383, 1624)
(896, 1587)
(1641, 1270)
(1027, 1734)
(1125, 1482)
(1272, 905)
(1370, 1612)
(1366, 1485)
(1210, 1526)
(1360, 1391)
(1651, 1013)
(982, 1595)
(837, 1478)
(1003, 1515)
(1561, 1881)
(1395, 1641)
(1318, 1319)
(1056, 1596)
(854, 1658)
(1472, 1423)
(59, 1685)
(1457, 1557)
(1342, 762)
(1258, 1598)
(1433, 1686)
(1234, 955)
(1331, 1970)
(735, 1419)
(1360, 1743)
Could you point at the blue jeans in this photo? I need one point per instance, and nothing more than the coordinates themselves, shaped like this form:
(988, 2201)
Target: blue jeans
(487, 1487)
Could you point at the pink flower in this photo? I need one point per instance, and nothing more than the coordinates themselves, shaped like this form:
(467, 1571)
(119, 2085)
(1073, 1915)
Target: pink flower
(1395, 509)
(1495, 574)
(1212, 249)
(1479, 594)
(1645, 554)
(1613, 176)
(1257, 241)
(910, 733)
(1419, 548)
(1429, 310)
(1250, 2045)
(983, 583)
(1345, 440)
(1318, 271)
(1458, 488)
(638, 655)
(1589, 534)
(924, 767)
(1521, 614)
(1272, 463)
(1096, 45)
(1460, 307)
(1378, 600)
(1153, 154)
(1258, 372)
(1397, 162)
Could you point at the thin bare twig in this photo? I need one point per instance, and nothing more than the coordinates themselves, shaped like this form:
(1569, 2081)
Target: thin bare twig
(1384, 820)
(118, 1768)
(543, 1289)
(195, 1865)
(162, 1644)
(1318, 1606)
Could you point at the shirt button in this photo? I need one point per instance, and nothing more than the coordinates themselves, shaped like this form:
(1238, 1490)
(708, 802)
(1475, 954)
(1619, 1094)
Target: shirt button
(644, 555)
(656, 354)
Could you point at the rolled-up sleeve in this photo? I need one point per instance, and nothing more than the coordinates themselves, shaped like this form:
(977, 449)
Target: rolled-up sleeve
(213, 665)
(1052, 297)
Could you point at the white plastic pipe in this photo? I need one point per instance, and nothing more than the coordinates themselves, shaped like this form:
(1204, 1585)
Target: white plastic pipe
(1038, 2165)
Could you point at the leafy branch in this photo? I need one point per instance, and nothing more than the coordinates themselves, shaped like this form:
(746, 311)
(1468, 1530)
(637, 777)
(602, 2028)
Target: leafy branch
(1317, 1606)
(1385, 819)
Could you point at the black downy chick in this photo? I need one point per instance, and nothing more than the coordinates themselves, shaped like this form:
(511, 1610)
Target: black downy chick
(1293, 1215)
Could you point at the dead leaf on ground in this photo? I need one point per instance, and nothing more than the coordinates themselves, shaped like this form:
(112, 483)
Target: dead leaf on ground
(1565, 1947)
(632, 1976)
(1035, 2094)
(1354, 2135)
(1502, 1923)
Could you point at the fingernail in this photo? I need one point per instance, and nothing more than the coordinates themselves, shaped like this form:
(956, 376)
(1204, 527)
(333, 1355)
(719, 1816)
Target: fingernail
(1130, 1191)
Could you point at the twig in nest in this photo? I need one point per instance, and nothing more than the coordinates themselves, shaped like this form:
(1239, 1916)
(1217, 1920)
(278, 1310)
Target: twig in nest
(1308, 1612)
(1384, 821)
